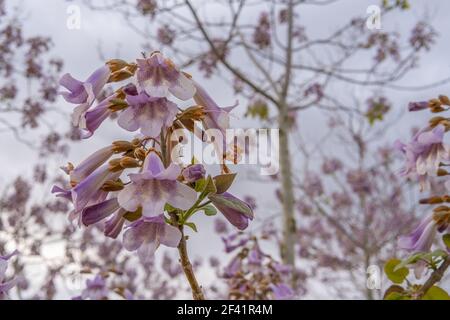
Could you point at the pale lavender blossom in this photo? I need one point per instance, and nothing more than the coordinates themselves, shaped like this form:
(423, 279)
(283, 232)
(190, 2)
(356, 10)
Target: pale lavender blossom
(424, 153)
(421, 239)
(155, 186)
(90, 164)
(236, 211)
(215, 116)
(146, 234)
(193, 172)
(313, 185)
(96, 289)
(233, 267)
(5, 286)
(97, 212)
(148, 114)
(282, 291)
(157, 76)
(84, 93)
(91, 120)
(331, 165)
(88, 191)
(115, 224)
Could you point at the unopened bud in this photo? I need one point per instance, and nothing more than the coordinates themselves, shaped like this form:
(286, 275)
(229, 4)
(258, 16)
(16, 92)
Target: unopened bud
(444, 100)
(441, 172)
(140, 153)
(432, 200)
(116, 64)
(111, 186)
(128, 162)
(122, 146)
(114, 165)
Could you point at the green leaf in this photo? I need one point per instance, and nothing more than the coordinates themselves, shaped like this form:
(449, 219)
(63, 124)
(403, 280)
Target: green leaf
(446, 239)
(396, 276)
(169, 208)
(394, 292)
(200, 185)
(191, 225)
(436, 293)
(223, 182)
(209, 210)
(411, 260)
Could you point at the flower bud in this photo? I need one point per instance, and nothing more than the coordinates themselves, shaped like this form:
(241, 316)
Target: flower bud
(111, 186)
(129, 162)
(122, 146)
(194, 172)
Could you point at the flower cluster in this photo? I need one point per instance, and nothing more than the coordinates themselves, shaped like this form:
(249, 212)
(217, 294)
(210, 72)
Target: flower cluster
(253, 274)
(159, 196)
(426, 156)
(5, 285)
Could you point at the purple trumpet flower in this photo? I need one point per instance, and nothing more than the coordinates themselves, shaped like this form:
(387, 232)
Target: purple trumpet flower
(80, 92)
(88, 191)
(421, 239)
(96, 213)
(155, 186)
(157, 76)
(236, 211)
(91, 120)
(148, 114)
(114, 226)
(424, 153)
(215, 116)
(5, 286)
(84, 93)
(146, 234)
(90, 164)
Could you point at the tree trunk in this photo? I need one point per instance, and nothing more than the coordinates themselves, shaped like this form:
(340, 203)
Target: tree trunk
(287, 195)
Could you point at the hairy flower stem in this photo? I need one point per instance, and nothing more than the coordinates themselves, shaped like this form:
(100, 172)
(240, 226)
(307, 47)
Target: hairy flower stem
(434, 278)
(186, 265)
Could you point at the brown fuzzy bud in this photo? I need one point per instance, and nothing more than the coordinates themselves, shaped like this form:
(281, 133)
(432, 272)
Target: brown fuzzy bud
(116, 64)
(120, 75)
(432, 200)
(122, 146)
(444, 100)
(117, 104)
(195, 113)
(128, 162)
(136, 142)
(114, 165)
(111, 186)
(441, 172)
(140, 153)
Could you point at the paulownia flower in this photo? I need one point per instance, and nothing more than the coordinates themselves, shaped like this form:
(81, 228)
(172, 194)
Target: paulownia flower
(84, 93)
(424, 153)
(148, 114)
(157, 76)
(146, 234)
(155, 186)
(95, 289)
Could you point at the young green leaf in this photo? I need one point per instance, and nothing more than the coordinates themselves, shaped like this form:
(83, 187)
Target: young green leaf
(396, 276)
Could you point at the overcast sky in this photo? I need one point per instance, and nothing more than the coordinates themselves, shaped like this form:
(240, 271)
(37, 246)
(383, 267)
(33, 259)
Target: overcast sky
(79, 49)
